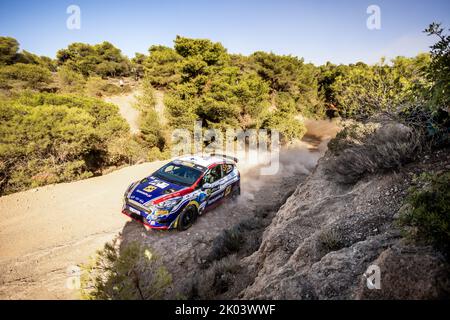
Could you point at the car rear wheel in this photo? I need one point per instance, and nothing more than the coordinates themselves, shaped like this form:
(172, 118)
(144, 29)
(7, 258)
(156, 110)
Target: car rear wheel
(187, 218)
(236, 192)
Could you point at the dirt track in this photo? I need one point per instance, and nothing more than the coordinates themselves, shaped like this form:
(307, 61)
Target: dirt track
(125, 103)
(45, 231)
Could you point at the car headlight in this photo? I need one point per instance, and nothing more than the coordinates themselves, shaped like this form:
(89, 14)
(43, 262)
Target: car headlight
(129, 189)
(170, 203)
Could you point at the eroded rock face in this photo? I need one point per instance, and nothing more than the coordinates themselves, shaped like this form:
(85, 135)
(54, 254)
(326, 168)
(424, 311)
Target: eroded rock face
(324, 238)
(409, 272)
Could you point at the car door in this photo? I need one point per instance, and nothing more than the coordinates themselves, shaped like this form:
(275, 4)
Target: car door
(228, 178)
(215, 178)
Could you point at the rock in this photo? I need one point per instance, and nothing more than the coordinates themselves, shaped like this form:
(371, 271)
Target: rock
(300, 258)
(402, 275)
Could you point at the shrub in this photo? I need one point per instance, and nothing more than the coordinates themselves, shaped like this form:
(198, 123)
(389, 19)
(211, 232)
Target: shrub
(232, 240)
(329, 240)
(433, 125)
(151, 130)
(126, 149)
(353, 133)
(387, 148)
(216, 280)
(49, 138)
(41, 142)
(97, 87)
(70, 81)
(124, 272)
(428, 215)
(227, 242)
(162, 66)
(25, 76)
(102, 59)
(289, 127)
(155, 154)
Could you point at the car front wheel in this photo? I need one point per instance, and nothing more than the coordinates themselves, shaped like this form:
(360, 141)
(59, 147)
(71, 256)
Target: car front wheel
(187, 218)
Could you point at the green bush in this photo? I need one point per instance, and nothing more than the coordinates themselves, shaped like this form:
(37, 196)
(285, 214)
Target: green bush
(290, 128)
(23, 76)
(97, 87)
(70, 81)
(362, 90)
(124, 272)
(126, 149)
(151, 130)
(204, 82)
(48, 138)
(427, 217)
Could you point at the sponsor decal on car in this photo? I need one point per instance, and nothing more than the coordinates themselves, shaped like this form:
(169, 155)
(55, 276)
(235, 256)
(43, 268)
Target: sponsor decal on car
(134, 210)
(149, 188)
(159, 184)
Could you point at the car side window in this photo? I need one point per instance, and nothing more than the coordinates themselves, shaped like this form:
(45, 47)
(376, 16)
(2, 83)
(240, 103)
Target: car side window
(214, 174)
(227, 169)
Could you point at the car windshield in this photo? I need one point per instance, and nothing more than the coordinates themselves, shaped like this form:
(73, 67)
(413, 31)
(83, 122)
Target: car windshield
(178, 174)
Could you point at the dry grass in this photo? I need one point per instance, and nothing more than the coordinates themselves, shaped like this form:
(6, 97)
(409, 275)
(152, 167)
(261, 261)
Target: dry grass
(216, 280)
(388, 148)
(238, 238)
(329, 240)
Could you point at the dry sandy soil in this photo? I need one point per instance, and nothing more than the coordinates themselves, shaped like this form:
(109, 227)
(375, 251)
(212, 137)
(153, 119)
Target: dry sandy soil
(44, 232)
(125, 103)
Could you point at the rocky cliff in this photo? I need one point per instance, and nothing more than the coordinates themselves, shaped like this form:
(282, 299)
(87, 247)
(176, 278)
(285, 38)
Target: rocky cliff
(324, 238)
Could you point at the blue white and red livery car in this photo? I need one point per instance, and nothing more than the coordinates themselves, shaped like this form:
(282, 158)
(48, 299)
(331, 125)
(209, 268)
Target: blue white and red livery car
(176, 194)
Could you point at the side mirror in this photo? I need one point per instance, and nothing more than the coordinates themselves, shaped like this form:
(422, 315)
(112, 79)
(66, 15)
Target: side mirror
(206, 186)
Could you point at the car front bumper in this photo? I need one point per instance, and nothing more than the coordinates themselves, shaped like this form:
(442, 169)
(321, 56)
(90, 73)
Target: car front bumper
(143, 217)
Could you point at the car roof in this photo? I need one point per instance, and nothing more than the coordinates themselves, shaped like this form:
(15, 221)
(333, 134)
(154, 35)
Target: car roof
(205, 161)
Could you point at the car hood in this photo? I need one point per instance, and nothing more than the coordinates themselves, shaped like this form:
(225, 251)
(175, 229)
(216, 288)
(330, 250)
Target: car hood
(151, 188)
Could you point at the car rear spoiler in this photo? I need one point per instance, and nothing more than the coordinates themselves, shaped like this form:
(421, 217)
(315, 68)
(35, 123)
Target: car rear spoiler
(224, 156)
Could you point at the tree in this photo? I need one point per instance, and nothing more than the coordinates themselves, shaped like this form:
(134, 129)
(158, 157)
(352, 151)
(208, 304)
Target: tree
(289, 74)
(9, 47)
(151, 130)
(137, 65)
(361, 90)
(439, 70)
(285, 119)
(102, 59)
(161, 66)
(213, 53)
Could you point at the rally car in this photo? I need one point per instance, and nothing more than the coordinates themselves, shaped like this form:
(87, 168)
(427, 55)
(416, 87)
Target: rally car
(176, 194)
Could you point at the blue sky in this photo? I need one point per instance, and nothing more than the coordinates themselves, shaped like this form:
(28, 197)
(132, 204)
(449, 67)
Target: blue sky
(319, 31)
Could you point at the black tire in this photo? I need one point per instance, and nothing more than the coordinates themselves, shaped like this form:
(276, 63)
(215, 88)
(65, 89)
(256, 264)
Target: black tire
(236, 192)
(187, 218)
